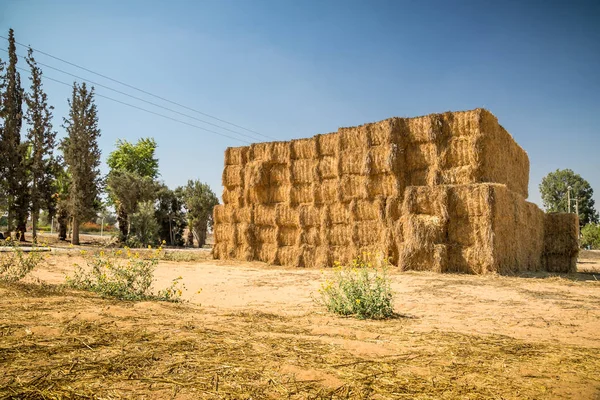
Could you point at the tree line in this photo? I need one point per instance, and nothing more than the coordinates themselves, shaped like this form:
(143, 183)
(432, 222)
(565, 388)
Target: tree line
(68, 185)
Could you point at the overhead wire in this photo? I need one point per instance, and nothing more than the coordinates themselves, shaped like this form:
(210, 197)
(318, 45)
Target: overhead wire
(140, 90)
(140, 99)
(142, 109)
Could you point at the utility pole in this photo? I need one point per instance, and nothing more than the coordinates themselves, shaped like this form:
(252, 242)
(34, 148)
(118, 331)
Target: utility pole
(569, 199)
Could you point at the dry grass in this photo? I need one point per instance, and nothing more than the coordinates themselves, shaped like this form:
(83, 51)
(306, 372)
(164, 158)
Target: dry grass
(57, 343)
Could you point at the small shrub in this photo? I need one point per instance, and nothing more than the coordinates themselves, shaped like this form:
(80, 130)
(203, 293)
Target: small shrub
(123, 274)
(590, 236)
(16, 263)
(362, 290)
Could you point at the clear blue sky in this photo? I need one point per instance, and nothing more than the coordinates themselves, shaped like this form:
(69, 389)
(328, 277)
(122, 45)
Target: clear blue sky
(292, 69)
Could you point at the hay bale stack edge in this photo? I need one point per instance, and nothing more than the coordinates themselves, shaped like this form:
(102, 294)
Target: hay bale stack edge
(444, 192)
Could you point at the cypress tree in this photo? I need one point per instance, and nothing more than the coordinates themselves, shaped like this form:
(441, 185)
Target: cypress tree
(42, 138)
(82, 157)
(13, 171)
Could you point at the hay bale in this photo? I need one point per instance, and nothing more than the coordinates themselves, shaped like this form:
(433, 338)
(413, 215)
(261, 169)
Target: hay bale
(310, 236)
(309, 215)
(383, 133)
(426, 200)
(339, 213)
(328, 192)
(243, 215)
(340, 235)
(290, 255)
(385, 185)
(233, 196)
(236, 155)
(266, 234)
(354, 162)
(328, 167)
(304, 149)
(366, 210)
(286, 216)
(302, 193)
(367, 233)
(233, 175)
(354, 138)
(384, 159)
(224, 232)
(354, 187)
(261, 152)
(267, 252)
(281, 153)
(420, 155)
(280, 174)
(305, 171)
(288, 236)
(561, 242)
(328, 144)
(222, 214)
(434, 259)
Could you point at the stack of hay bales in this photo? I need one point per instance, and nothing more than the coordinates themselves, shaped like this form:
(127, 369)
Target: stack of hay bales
(444, 192)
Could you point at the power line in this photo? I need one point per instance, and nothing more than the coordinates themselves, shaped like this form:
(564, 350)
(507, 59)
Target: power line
(143, 109)
(141, 90)
(140, 99)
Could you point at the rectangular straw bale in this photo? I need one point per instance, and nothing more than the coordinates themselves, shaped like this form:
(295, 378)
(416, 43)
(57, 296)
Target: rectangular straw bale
(329, 191)
(260, 152)
(220, 251)
(302, 193)
(236, 155)
(265, 215)
(257, 173)
(233, 196)
(422, 230)
(354, 187)
(393, 208)
(431, 200)
(339, 213)
(279, 174)
(309, 256)
(384, 159)
(459, 175)
(289, 255)
(383, 132)
(309, 215)
(281, 153)
(470, 200)
(353, 139)
(322, 257)
(340, 235)
(243, 214)
(385, 185)
(233, 175)
(464, 123)
(288, 236)
(417, 177)
(222, 214)
(304, 149)
(469, 231)
(366, 210)
(341, 254)
(461, 151)
(367, 233)
(561, 263)
(561, 233)
(328, 144)
(310, 236)
(287, 216)
(266, 234)
(305, 171)
(224, 232)
(266, 252)
(434, 259)
(353, 161)
(423, 129)
(420, 155)
(328, 167)
(244, 234)
(268, 194)
(469, 260)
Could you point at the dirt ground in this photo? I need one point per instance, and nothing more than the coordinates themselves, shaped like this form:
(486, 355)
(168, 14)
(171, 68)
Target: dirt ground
(254, 331)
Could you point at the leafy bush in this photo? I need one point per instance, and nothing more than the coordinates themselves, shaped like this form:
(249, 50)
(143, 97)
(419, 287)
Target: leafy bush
(590, 236)
(362, 290)
(144, 227)
(124, 275)
(16, 263)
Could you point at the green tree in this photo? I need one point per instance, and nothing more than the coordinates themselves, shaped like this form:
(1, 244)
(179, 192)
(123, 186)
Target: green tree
(590, 236)
(127, 190)
(170, 216)
(144, 228)
(62, 184)
(82, 157)
(134, 165)
(13, 171)
(41, 138)
(199, 203)
(554, 188)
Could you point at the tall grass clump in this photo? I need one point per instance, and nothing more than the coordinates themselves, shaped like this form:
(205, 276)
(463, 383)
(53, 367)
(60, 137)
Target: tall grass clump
(15, 264)
(361, 290)
(124, 275)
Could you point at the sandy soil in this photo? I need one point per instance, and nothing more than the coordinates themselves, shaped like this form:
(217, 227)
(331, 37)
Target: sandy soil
(254, 331)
